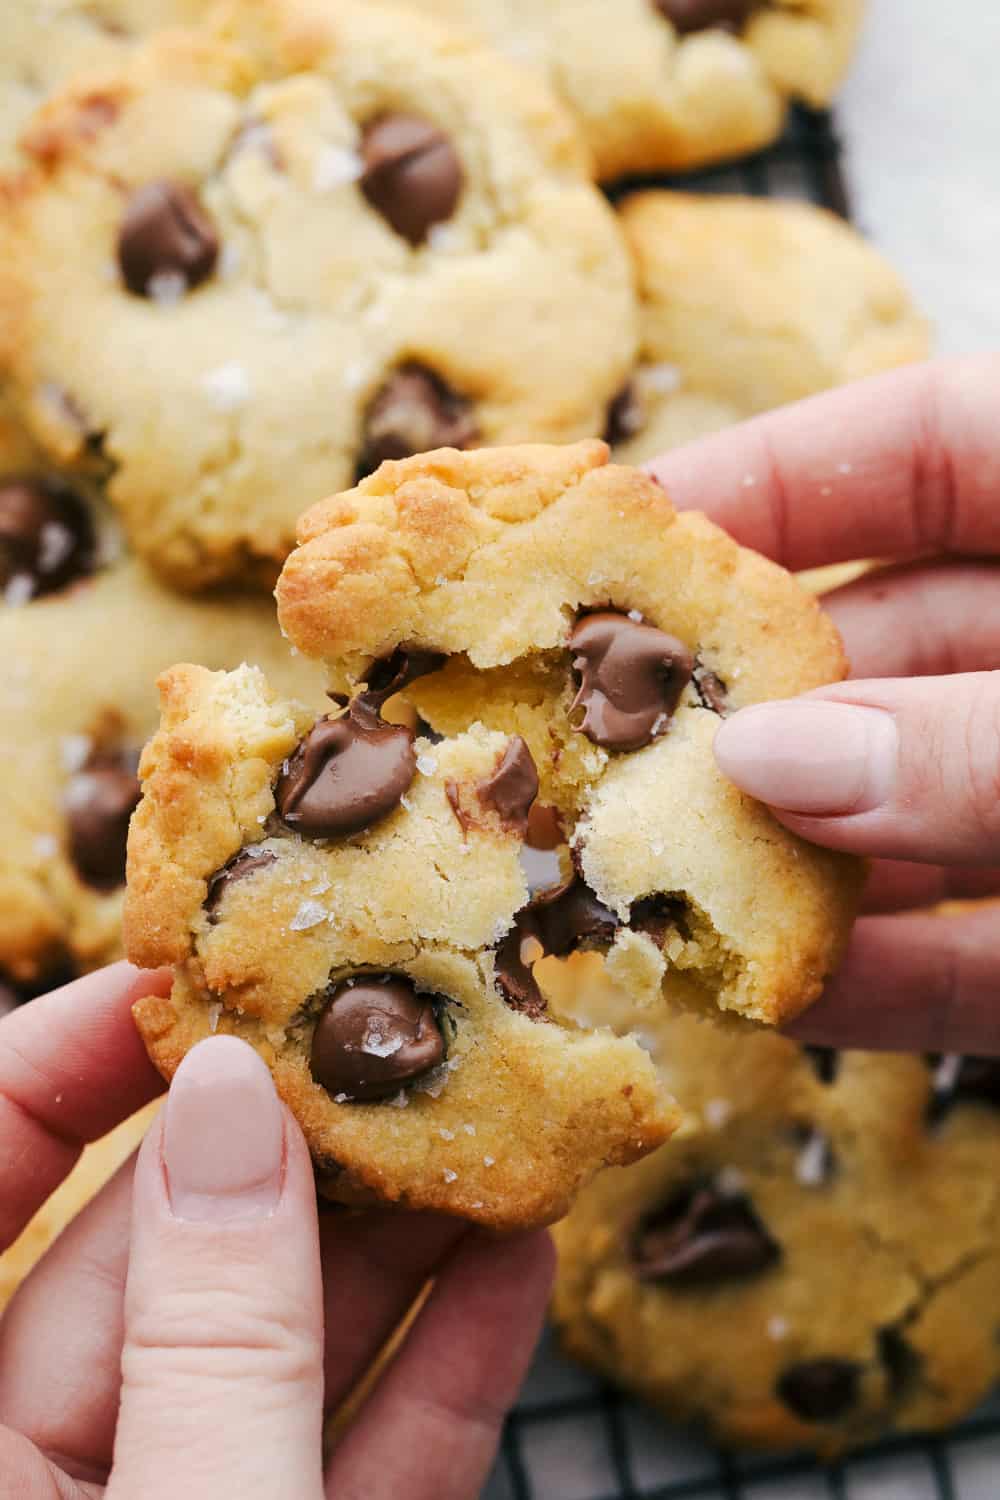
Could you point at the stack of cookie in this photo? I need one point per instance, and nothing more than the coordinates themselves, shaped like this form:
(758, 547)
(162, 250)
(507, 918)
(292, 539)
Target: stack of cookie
(250, 252)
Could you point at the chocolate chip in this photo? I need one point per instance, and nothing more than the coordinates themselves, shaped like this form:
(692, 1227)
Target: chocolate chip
(631, 677)
(166, 239)
(963, 1080)
(626, 415)
(414, 411)
(700, 15)
(412, 175)
(375, 1034)
(711, 690)
(245, 862)
(350, 772)
(544, 839)
(820, 1390)
(703, 1237)
(825, 1061)
(513, 786)
(557, 922)
(656, 915)
(100, 799)
(46, 538)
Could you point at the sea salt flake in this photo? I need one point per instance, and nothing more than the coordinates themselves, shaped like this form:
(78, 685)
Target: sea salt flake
(355, 375)
(730, 1181)
(478, 1203)
(214, 1012)
(400, 1100)
(489, 1161)
(227, 386)
(46, 845)
(427, 764)
(167, 288)
(777, 1328)
(446, 1135)
(636, 615)
(404, 801)
(662, 380)
(19, 590)
(717, 1113)
(334, 167)
(449, 1175)
(375, 1043)
(812, 1164)
(444, 237)
(74, 751)
(309, 914)
(341, 1098)
(469, 1129)
(946, 1073)
(656, 847)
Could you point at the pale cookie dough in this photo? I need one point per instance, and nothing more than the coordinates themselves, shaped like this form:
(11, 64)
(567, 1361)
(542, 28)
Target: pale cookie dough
(96, 1166)
(359, 237)
(47, 42)
(814, 1261)
(661, 84)
(747, 304)
(77, 703)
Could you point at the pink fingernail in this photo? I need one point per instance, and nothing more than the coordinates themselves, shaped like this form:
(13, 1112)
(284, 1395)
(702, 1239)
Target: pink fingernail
(223, 1135)
(814, 757)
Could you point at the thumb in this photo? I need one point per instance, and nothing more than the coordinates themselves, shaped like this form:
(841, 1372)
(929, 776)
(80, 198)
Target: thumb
(222, 1385)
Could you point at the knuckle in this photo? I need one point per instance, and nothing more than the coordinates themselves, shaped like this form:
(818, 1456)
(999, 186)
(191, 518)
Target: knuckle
(225, 1336)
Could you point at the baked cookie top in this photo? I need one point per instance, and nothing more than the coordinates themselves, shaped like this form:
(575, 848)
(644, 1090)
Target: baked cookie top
(660, 84)
(814, 1260)
(372, 912)
(354, 241)
(746, 304)
(77, 702)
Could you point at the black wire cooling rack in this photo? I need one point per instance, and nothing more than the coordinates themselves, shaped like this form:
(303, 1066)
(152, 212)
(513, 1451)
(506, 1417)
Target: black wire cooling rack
(574, 1437)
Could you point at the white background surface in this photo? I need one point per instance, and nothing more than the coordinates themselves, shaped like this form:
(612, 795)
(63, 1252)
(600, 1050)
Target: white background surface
(920, 116)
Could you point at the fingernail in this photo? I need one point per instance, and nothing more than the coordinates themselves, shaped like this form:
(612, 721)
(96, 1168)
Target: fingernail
(817, 758)
(223, 1135)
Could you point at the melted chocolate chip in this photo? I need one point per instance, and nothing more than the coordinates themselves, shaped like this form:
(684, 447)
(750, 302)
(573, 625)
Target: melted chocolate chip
(820, 1390)
(963, 1080)
(703, 1237)
(99, 802)
(46, 538)
(165, 236)
(245, 862)
(700, 15)
(655, 915)
(626, 415)
(391, 674)
(631, 677)
(544, 839)
(557, 922)
(375, 1034)
(412, 175)
(825, 1062)
(513, 786)
(346, 774)
(712, 691)
(414, 411)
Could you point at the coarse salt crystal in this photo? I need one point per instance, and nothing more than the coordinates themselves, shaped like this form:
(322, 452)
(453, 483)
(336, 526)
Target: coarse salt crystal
(946, 1073)
(166, 288)
(443, 237)
(19, 590)
(812, 1164)
(400, 1101)
(663, 379)
(74, 750)
(335, 166)
(426, 764)
(404, 801)
(489, 1161)
(449, 1175)
(227, 386)
(309, 914)
(636, 615)
(214, 1012)
(446, 1135)
(777, 1328)
(341, 1098)
(469, 1129)
(375, 1043)
(46, 845)
(730, 1181)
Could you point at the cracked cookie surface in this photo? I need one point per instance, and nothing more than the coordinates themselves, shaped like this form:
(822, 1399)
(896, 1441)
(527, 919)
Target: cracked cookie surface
(282, 286)
(75, 711)
(794, 297)
(814, 1261)
(659, 84)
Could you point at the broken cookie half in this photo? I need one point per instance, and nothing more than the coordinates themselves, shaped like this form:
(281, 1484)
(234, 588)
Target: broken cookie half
(375, 905)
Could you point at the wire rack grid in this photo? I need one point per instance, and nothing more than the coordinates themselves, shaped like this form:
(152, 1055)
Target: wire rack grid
(574, 1437)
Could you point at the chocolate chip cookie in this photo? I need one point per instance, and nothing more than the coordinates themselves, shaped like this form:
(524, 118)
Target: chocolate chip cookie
(77, 702)
(814, 1261)
(747, 304)
(375, 913)
(359, 238)
(661, 84)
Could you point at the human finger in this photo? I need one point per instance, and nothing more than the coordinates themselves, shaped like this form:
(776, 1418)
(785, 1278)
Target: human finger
(896, 768)
(222, 1363)
(72, 1066)
(900, 464)
(914, 982)
(904, 885)
(430, 1428)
